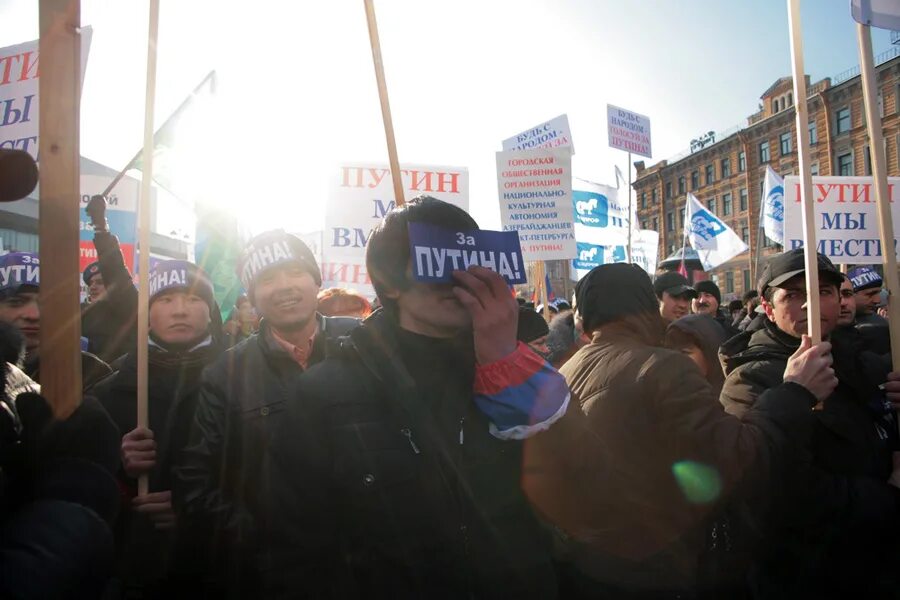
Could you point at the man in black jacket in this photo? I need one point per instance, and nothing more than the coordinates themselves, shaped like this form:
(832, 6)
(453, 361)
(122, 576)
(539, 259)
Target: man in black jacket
(222, 477)
(833, 531)
(156, 557)
(402, 452)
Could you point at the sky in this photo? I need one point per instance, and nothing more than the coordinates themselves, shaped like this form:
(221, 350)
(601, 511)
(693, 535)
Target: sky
(297, 93)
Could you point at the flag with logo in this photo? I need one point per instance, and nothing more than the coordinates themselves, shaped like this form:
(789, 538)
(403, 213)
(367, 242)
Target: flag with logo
(714, 241)
(772, 213)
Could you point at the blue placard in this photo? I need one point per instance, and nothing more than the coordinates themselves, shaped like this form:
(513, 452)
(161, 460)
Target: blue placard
(437, 252)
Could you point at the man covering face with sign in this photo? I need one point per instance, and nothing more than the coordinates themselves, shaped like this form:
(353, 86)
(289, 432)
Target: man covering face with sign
(223, 479)
(413, 427)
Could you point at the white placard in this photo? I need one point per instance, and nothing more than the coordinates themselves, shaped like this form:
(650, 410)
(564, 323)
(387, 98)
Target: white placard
(846, 218)
(535, 191)
(555, 133)
(628, 131)
(360, 195)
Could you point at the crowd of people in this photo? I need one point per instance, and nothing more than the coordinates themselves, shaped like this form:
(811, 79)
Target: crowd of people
(448, 442)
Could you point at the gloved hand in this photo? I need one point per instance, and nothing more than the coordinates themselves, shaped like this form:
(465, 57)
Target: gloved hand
(96, 209)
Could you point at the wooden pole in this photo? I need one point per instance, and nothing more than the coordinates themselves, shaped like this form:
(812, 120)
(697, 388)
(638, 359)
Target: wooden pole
(385, 105)
(630, 224)
(143, 318)
(60, 202)
(542, 267)
(809, 232)
(882, 192)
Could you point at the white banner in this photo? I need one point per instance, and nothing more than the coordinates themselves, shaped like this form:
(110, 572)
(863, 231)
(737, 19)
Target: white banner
(360, 195)
(535, 190)
(19, 83)
(846, 221)
(555, 133)
(628, 131)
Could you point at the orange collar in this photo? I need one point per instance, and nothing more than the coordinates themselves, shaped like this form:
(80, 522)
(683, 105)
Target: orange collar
(300, 353)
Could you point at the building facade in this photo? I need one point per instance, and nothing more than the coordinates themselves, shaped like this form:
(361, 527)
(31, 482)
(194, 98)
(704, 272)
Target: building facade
(727, 174)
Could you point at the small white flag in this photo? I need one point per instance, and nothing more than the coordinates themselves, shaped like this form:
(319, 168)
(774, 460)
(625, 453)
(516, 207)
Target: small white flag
(884, 14)
(772, 203)
(713, 240)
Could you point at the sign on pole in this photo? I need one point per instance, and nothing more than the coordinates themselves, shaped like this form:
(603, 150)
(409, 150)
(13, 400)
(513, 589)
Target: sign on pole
(535, 190)
(555, 133)
(121, 212)
(19, 94)
(360, 195)
(628, 131)
(846, 218)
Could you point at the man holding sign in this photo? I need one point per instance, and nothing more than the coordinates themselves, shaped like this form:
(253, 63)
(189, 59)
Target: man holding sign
(414, 427)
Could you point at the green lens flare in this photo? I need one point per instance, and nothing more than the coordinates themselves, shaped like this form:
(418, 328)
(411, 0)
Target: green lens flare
(699, 483)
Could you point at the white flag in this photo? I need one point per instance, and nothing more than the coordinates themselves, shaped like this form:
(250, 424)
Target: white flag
(772, 203)
(884, 14)
(713, 240)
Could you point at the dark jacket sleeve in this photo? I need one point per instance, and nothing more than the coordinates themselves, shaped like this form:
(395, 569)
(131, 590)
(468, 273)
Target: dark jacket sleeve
(121, 293)
(198, 489)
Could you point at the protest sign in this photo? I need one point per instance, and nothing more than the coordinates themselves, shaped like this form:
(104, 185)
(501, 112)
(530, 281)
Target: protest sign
(846, 218)
(19, 82)
(437, 252)
(535, 189)
(555, 133)
(628, 131)
(121, 213)
(360, 195)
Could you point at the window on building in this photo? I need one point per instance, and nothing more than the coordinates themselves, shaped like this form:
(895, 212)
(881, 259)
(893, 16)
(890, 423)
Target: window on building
(681, 185)
(695, 179)
(814, 169)
(867, 161)
(726, 204)
(681, 217)
(743, 197)
(842, 117)
(711, 205)
(726, 168)
(668, 190)
(643, 199)
(764, 152)
(790, 99)
(653, 199)
(742, 162)
(745, 235)
(671, 249)
(747, 286)
(785, 143)
(670, 221)
(845, 164)
(644, 224)
(729, 282)
(710, 174)
(655, 224)
(813, 133)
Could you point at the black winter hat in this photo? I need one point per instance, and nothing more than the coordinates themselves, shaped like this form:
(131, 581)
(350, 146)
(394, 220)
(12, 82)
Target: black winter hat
(782, 267)
(273, 248)
(710, 288)
(674, 283)
(531, 326)
(612, 291)
(89, 271)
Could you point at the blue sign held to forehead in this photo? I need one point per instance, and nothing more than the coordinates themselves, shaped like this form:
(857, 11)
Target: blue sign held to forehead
(436, 252)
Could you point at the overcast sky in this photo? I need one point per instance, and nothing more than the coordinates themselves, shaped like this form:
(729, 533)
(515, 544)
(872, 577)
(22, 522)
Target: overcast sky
(298, 93)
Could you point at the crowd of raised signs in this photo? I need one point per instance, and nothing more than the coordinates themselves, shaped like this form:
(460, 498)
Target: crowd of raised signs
(448, 442)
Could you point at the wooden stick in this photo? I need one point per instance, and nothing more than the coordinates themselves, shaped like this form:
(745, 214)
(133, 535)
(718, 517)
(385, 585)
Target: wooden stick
(143, 318)
(814, 326)
(60, 202)
(385, 105)
(630, 224)
(544, 295)
(882, 192)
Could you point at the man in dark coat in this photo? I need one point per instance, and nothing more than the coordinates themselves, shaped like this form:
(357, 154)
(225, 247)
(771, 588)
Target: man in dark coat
(665, 456)
(832, 530)
(403, 448)
(20, 280)
(709, 302)
(157, 556)
(222, 477)
(109, 317)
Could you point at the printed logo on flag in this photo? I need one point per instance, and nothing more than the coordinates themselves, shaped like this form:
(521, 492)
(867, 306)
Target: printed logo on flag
(591, 208)
(775, 203)
(593, 255)
(705, 226)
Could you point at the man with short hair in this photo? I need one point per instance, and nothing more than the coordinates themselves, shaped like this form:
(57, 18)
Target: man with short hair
(834, 525)
(708, 302)
(403, 447)
(847, 315)
(674, 293)
(222, 479)
(20, 281)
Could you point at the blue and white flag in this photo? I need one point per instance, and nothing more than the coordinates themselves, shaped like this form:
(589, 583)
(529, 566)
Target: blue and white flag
(772, 214)
(884, 14)
(713, 240)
